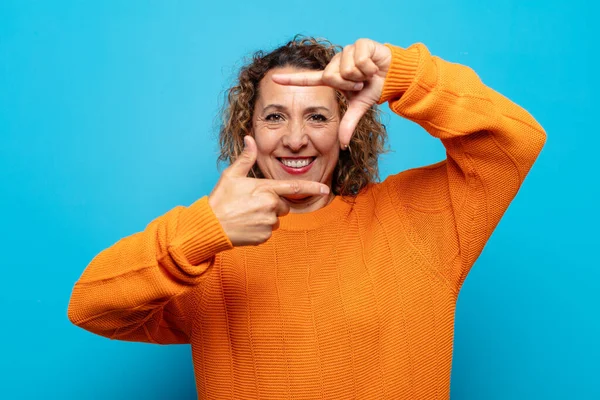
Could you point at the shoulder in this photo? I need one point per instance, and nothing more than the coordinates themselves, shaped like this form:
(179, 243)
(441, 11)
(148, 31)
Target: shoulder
(423, 187)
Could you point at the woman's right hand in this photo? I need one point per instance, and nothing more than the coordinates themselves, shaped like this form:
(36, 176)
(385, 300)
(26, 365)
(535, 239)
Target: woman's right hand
(248, 208)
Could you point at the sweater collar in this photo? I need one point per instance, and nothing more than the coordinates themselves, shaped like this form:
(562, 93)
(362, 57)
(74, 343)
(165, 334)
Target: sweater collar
(336, 210)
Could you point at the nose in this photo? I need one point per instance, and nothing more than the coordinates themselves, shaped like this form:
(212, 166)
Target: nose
(295, 137)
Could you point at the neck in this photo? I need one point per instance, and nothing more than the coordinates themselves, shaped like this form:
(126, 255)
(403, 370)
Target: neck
(308, 204)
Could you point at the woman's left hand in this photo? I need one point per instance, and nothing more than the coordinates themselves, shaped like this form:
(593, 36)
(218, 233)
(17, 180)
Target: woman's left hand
(358, 72)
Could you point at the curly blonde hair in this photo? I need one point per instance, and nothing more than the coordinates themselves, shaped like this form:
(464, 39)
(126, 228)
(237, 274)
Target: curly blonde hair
(357, 166)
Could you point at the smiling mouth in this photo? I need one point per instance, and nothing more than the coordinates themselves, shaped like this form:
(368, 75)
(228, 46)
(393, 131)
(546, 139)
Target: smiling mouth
(296, 162)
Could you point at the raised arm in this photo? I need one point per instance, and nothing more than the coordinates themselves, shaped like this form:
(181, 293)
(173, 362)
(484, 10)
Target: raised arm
(146, 286)
(451, 208)
(491, 144)
(142, 287)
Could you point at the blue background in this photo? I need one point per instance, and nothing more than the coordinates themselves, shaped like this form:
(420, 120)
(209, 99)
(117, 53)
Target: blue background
(107, 120)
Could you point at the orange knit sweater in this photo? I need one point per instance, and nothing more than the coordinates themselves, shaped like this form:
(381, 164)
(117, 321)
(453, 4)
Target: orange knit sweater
(353, 301)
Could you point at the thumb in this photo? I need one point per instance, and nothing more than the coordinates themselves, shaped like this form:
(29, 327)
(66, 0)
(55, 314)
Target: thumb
(356, 109)
(246, 159)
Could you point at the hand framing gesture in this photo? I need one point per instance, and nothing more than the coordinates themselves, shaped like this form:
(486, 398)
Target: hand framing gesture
(358, 72)
(248, 208)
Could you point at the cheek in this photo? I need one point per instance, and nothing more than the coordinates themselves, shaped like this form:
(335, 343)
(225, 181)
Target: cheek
(266, 140)
(326, 140)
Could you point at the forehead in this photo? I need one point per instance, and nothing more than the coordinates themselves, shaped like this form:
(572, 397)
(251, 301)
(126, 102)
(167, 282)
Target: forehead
(309, 96)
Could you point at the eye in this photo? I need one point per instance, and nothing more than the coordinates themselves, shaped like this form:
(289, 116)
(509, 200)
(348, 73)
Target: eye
(318, 118)
(275, 117)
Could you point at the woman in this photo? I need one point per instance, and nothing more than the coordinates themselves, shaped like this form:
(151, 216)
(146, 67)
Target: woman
(350, 287)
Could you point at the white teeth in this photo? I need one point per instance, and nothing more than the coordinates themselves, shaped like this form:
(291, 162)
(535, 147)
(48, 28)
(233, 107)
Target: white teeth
(297, 163)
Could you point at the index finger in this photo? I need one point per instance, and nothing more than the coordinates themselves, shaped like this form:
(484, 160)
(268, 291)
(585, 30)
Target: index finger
(297, 187)
(309, 78)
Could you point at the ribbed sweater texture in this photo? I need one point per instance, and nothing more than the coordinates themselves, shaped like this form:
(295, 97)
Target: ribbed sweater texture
(353, 301)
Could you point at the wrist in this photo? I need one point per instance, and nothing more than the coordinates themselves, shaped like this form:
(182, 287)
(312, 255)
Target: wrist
(199, 234)
(401, 72)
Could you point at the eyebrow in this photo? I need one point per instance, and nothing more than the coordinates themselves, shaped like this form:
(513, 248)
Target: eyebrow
(280, 107)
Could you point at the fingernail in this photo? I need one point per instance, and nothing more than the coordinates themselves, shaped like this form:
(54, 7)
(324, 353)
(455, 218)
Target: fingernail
(358, 86)
(245, 141)
(324, 189)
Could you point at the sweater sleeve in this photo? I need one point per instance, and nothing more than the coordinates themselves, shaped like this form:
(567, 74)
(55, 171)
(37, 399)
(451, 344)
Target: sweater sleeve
(451, 208)
(142, 288)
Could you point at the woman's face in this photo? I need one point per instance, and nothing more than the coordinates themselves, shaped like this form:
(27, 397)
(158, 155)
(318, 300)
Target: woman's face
(296, 130)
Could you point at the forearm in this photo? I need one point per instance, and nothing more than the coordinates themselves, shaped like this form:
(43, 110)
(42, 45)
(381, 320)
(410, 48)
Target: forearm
(132, 282)
(491, 143)
(450, 101)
